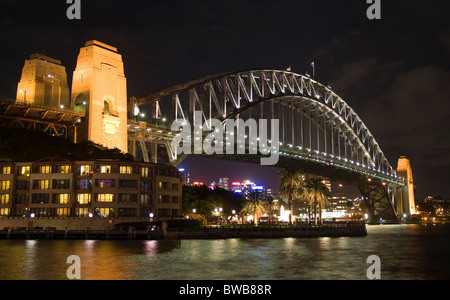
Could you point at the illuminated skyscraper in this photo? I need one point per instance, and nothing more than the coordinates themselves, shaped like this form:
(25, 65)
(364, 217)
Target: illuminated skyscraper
(223, 183)
(184, 175)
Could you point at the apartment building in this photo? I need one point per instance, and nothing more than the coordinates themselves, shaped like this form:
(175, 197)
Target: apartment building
(55, 187)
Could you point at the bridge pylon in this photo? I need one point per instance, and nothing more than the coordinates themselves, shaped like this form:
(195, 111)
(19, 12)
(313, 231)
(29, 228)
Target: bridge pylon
(99, 90)
(405, 203)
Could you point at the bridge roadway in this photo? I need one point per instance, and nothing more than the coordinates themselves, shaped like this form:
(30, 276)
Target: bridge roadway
(311, 161)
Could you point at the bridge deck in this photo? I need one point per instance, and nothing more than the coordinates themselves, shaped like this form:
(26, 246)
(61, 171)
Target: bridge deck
(38, 113)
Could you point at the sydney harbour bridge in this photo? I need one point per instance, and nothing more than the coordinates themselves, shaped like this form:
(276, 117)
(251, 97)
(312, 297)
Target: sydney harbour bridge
(318, 131)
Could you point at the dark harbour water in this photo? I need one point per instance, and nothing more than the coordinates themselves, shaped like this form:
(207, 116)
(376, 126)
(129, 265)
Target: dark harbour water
(405, 252)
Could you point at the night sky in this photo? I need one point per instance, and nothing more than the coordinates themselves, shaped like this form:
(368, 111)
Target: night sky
(394, 72)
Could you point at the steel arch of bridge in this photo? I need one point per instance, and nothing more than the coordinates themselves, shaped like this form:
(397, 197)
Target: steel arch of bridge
(316, 125)
(313, 117)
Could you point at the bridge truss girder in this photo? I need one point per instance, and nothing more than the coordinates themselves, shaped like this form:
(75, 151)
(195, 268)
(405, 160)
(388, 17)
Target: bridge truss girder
(315, 123)
(264, 94)
(59, 122)
(379, 200)
(311, 115)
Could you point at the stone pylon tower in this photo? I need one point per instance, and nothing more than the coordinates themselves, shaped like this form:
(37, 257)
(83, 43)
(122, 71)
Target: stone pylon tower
(405, 197)
(99, 89)
(43, 82)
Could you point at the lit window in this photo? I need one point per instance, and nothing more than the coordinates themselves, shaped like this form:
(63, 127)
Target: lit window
(85, 170)
(126, 169)
(105, 169)
(62, 198)
(4, 185)
(4, 199)
(41, 184)
(5, 170)
(4, 211)
(84, 198)
(104, 212)
(63, 169)
(45, 169)
(104, 197)
(82, 212)
(24, 171)
(62, 212)
(146, 199)
(144, 172)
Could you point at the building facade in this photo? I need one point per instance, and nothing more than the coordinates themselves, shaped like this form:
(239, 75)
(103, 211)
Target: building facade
(58, 188)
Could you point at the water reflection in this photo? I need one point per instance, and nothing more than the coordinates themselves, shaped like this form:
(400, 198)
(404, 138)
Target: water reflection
(406, 252)
(150, 248)
(30, 260)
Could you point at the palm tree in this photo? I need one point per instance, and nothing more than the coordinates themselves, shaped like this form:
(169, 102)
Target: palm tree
(316, 192)
(291, 184)
(255, 205)
(272, 205)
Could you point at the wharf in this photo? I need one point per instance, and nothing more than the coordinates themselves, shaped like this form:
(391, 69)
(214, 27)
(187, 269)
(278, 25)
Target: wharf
(51, 233)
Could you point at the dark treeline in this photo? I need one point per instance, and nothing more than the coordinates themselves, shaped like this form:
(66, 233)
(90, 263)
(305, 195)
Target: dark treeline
(20, 144)
(204, 201)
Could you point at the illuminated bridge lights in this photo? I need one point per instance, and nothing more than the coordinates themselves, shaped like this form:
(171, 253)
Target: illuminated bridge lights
(347, 164)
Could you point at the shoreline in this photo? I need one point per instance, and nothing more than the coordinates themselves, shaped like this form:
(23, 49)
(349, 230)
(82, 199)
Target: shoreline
(185, 233)
(272, 233)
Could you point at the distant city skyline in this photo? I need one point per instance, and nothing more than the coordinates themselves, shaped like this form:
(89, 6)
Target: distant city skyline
(199, 169)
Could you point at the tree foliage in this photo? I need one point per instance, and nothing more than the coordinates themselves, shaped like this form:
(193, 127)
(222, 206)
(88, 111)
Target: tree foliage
(256, 204)
(291, 185)
(316, 193)
(204, 201)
